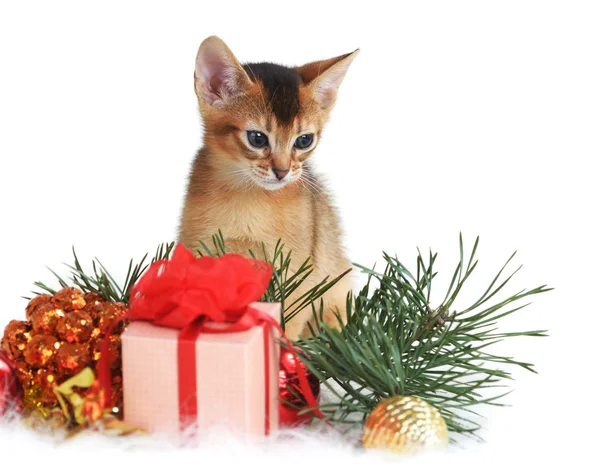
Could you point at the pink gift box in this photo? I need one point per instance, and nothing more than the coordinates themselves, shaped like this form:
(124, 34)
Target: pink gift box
(230, 378)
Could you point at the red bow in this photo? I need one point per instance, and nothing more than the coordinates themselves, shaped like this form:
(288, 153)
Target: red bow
(177, 292)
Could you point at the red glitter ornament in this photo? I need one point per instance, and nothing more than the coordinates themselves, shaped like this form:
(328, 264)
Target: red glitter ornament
(40, 350)
(288, 378)
(92, 299)
(60, 338)
(75, 327)
(45, 379)
(72, 358)
(45, 317)
(9, 384)
(16, 337)
(106, 314)
(69, 299)
(35, 302)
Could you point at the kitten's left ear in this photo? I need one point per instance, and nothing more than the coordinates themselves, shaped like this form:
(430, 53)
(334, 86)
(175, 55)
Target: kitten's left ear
(218, 75)
(326, 76)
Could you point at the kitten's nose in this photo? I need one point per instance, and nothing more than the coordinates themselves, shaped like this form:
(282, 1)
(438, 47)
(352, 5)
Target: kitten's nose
(280, 173)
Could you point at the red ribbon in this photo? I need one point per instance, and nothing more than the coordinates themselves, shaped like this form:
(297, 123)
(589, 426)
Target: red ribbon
(189, 293)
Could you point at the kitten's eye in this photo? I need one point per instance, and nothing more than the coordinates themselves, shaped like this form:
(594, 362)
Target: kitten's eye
(304, 141)
(257, 139)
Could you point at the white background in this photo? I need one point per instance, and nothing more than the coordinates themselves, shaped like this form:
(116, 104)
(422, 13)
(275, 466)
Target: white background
(472, 116)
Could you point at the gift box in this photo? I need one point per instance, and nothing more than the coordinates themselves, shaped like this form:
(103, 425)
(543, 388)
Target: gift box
(236, 377)
(200, 349)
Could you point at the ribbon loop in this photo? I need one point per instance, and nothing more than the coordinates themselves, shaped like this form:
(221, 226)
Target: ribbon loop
(176, 292)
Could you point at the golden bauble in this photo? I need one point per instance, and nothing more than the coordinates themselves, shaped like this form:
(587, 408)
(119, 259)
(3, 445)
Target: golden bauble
(405, 424)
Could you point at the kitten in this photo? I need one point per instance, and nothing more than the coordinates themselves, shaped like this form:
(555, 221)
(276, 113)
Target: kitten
(253, 179)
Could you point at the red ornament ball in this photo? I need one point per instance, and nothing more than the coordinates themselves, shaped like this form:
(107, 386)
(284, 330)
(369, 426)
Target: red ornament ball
(9, 384)
(288, 378)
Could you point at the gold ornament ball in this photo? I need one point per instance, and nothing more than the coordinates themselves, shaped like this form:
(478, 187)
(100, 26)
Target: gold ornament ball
(405, 424)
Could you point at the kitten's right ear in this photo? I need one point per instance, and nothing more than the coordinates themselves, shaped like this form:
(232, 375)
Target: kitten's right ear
(218, 74)
(325, 77)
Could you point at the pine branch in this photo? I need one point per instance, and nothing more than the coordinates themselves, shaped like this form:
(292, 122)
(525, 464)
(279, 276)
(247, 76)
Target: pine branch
(100, 281)
(395, 343)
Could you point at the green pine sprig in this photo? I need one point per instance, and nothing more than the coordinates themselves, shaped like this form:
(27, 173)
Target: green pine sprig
(396, 343)
(100, 281)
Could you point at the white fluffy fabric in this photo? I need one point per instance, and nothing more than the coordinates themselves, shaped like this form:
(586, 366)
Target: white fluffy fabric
(299, 448)
(524, 433)
(308, 448)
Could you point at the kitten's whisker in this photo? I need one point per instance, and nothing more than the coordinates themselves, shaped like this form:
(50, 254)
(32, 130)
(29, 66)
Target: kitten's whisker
(317, 188)
(247, 183)
(240, 171)
(314, 193)
(306, 187)
(243, 179)
(307, 183)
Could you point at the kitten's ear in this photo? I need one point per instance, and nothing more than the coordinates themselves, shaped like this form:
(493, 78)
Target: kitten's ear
(325, 76)
(218, 74)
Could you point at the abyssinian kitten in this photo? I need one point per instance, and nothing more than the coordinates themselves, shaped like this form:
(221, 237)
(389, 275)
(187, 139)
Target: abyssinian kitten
(253, 178)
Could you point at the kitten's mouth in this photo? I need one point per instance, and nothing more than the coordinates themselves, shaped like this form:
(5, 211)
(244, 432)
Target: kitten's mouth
(271, 185)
